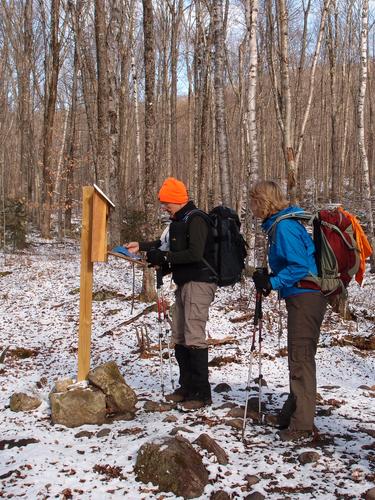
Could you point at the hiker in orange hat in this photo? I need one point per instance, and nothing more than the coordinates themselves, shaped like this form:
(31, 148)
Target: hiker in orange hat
(189, 255)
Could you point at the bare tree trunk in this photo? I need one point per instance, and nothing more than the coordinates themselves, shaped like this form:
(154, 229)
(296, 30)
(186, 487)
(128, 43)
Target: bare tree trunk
(27, 157)
(137, 127)
(103, 153)
(114, 58)
(175, 21)
(286, 101)
(312, 80)
(361, 126)
(148, 290)
(52, 71)
(222, 139)
(88, 78)
(335, 144)
(71, 148)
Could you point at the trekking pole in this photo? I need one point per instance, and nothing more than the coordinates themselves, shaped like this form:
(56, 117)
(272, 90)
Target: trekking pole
(260, 376)
(159, 283)
(168, 336)
(280, 323)
(258, 319)
(258, 309)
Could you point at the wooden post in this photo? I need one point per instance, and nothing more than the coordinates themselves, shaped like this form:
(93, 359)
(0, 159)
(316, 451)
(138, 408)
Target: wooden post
(86, 280)
(95, 211)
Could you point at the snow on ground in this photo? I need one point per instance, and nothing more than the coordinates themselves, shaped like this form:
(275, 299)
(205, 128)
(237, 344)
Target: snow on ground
(39, 307)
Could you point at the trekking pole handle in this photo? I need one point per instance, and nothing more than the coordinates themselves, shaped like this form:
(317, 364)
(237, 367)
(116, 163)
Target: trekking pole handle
(258, 297)
(258, 307)
(159, 278)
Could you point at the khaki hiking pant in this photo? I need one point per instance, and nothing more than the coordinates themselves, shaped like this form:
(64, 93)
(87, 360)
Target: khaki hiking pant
(305, 316)
(190, 313)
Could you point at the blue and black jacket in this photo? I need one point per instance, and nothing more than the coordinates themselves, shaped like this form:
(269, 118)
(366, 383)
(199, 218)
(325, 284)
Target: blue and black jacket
(291, 253)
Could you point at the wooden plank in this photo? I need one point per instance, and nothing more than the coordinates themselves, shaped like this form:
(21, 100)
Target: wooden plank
(86, 280)
(99, 229)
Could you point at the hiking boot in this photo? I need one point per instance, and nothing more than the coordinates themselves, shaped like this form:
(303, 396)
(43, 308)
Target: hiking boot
(177, 396)
(286, 412)
(195, 403)
(283, 421)
(294, 435)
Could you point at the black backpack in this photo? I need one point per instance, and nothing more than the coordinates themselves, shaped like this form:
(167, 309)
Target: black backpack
(230, 246)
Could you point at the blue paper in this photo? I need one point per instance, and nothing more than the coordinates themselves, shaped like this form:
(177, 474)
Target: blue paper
(125, 251)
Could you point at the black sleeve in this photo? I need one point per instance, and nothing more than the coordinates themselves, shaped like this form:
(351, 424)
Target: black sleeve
(144, 246)
(197, 236)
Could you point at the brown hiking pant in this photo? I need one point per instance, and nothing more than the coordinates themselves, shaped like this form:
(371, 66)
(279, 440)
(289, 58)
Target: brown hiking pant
(305, 315)
(190, 313)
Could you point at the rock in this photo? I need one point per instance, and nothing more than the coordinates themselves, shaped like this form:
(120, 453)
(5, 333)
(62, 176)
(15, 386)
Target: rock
(209, 444)
(324, 412)
(223, 387)
(78, 407)
(62, 384)
(83, 434)
(220, 495)
(19, 401)
(23, 353)
(255, 496)
(178, 429)
(173, 465)
(116, 417)
(271, 419)
(370, 494)
(236, 412)
(370, 432)
(103, 433)
(42, 382)
(236, 423)
(120, 397)
(252, 409)
(264, 382)
(229, 404)
(6, 444)
(364, 387)
(170, 419)
(153, 406)
(308, 457)
(251, 480)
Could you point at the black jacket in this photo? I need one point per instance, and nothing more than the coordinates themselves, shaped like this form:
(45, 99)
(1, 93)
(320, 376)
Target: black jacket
(191, 243)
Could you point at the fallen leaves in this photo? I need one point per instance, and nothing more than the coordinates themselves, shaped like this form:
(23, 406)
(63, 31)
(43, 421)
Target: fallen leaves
(108, 471)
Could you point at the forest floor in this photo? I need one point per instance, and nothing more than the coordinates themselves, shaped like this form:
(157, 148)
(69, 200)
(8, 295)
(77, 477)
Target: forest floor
(39, 310)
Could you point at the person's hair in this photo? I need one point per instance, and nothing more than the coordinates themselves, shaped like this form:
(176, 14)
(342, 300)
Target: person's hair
(268, 198)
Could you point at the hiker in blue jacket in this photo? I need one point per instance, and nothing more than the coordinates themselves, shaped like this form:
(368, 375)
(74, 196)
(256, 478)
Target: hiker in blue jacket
(291, 257)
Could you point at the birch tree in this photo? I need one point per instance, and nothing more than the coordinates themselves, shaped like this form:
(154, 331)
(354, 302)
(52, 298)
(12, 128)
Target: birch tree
(252, 170)
(361, 125)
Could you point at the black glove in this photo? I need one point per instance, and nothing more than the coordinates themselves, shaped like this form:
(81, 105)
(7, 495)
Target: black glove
(262, 280)
(156, 257)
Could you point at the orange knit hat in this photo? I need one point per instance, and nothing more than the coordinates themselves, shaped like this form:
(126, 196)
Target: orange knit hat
(173, 191)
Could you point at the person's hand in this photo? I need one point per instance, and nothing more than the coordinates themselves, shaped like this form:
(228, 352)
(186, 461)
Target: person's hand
(262, 280)
(132, 246)
(156, 257)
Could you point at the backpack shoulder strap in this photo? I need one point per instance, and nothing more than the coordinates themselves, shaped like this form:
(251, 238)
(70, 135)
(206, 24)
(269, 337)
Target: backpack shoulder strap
(306, 216)
(196, 211)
